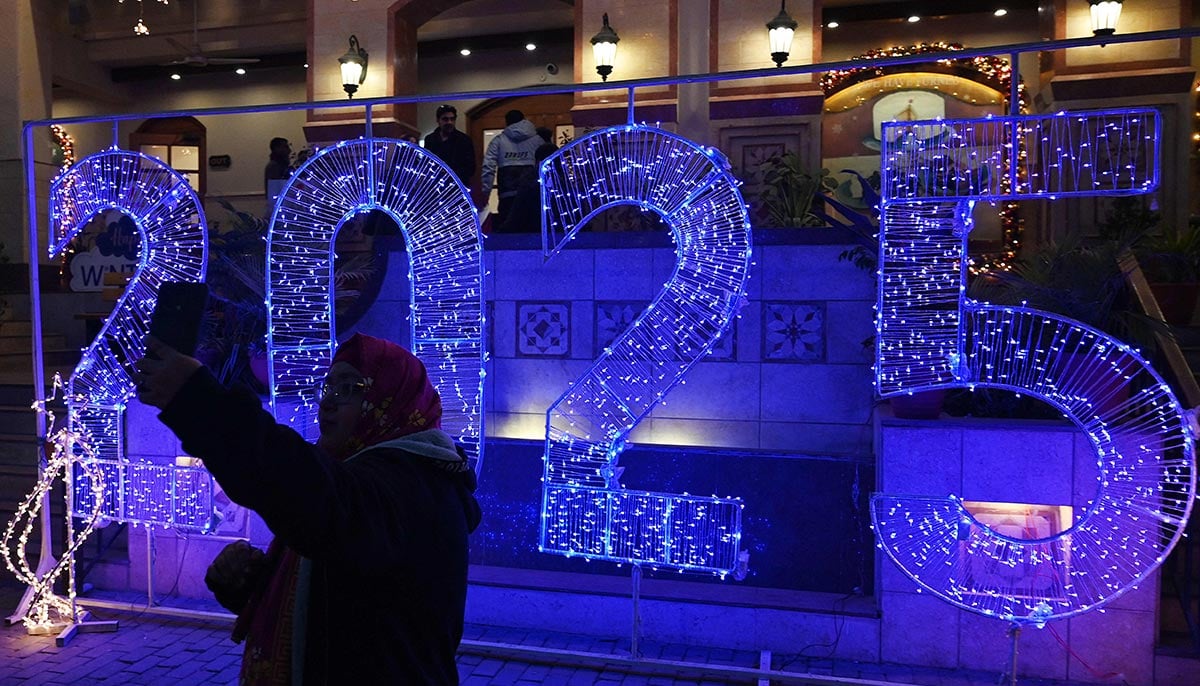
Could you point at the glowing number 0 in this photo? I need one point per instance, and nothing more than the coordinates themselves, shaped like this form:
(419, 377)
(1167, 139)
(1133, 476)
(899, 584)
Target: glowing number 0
(174, 247)
(932, 336)
(441, 229)
(585, 511)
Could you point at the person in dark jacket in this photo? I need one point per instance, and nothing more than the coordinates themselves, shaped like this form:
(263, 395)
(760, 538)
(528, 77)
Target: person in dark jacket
(366, 579)
(451, 145)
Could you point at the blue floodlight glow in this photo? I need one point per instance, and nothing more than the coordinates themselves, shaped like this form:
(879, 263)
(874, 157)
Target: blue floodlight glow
(445, 255)
(586, 512)
(174, 247)
(930, 335)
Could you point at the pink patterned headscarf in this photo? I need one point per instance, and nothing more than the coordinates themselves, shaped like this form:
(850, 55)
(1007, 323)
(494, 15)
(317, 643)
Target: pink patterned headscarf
(399, 399)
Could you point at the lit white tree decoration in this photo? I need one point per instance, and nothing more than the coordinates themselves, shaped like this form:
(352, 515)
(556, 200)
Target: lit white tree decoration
(71, 452)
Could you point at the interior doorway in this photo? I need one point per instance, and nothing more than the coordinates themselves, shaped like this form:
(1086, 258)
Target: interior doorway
(551, 112)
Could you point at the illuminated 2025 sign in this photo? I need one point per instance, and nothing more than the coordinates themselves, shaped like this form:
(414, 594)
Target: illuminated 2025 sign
(930, 335)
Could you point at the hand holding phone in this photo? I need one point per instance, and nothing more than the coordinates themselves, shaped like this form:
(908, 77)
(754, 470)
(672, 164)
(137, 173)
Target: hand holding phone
(178, 313)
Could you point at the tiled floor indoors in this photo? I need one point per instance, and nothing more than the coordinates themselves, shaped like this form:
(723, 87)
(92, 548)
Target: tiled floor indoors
(152, 649)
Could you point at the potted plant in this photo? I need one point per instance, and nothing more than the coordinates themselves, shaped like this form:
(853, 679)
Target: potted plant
(1075, 279)
(791, 194)
(1169, 257)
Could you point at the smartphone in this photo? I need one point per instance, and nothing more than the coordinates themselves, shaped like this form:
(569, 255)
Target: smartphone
(177, 314)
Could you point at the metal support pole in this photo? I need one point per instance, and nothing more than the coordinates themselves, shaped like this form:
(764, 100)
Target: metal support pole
(1014, 631)
(634, 649)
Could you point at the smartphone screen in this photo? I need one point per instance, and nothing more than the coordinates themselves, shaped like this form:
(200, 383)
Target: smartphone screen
(178, 313)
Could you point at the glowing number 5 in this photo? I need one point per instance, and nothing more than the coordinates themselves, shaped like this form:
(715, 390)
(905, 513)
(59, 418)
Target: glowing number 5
(174, 247)
(931, 336)
(585, 510)
(446, 271)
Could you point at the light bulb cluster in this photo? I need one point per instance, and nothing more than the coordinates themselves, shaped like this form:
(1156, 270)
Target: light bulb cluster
(140, 27)
(171, 225)
(71, 455)
(446, 317)
(930, 335)
(1095, 153)
(586, 510)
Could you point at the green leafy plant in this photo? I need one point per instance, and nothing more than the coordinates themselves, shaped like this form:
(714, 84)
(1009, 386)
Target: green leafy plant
(1166, 254)
(1083, 281)
(790, 191)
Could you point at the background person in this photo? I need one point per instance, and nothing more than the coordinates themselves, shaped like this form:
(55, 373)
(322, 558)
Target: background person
(508, 161)
(451, 145)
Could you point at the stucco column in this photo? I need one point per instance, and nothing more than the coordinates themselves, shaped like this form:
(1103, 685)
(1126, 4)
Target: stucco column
(694, 59)
(24, 95)
(387, 30)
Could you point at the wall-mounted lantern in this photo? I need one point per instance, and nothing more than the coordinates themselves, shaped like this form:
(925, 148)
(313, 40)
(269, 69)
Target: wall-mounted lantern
(604, 49)
(354, 67)
(780, 31)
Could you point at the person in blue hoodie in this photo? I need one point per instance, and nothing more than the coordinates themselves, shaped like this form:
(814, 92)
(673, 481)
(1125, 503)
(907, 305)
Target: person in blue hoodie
(509, 161)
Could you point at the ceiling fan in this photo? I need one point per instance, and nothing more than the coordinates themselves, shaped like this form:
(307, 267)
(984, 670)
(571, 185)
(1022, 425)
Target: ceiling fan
(193, 56)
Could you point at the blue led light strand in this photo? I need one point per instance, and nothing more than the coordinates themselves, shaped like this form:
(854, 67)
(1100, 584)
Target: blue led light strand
(445, 254)
(174, 247)
(586, 512)
(930, 335)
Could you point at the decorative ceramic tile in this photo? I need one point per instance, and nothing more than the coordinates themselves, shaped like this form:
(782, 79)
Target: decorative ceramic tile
(725, 349)
(543, 329)
(794, 331)
(612, 318)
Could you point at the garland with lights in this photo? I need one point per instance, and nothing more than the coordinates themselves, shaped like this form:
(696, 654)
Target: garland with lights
(994, 72)
(586, 511)
(72, 456)
(66, 145)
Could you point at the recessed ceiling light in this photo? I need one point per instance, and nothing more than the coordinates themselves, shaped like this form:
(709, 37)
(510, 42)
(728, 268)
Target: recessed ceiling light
(832, 25)
(1000, 12)
(914, 19)
(239, 71)
(464, 52)
(530, 46)
(306, 65)
(175, 77)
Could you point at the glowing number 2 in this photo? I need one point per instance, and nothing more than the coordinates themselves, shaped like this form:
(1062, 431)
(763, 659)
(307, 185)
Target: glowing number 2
(932, 336)
(585, 511)
(174, 248)
(445, 279)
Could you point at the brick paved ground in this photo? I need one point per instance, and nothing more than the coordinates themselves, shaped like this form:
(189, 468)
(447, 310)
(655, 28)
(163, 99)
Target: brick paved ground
(151, 649)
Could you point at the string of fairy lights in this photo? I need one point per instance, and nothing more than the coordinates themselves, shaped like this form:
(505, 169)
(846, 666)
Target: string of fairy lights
(930, 335)
(446, 311)
(586, 511)
(174, 242)
(994, 72)
(72, 454)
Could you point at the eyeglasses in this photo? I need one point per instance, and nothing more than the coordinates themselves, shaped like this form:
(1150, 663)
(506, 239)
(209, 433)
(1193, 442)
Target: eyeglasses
(341, 392)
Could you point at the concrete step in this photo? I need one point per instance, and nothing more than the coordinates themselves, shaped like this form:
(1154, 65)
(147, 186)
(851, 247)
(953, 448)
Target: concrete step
(18, 419)
(16, 327)
(22, 342)
(18, 450)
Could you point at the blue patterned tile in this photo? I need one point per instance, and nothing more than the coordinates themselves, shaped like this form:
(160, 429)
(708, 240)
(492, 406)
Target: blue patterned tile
(794, 331)
(725, 349)
(613, 317)
(543, 329)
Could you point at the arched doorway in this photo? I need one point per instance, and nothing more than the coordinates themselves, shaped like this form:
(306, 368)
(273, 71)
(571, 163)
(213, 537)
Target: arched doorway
(180, 142)
(545, 111)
